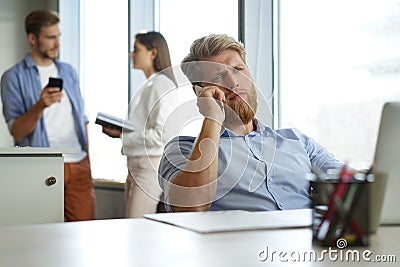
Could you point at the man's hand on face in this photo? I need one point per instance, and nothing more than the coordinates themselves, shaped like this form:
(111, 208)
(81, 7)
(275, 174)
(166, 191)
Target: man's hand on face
(210, 100)
(49, 96)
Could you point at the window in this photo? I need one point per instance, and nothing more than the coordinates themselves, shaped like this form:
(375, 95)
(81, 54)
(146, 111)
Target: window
(104, 79)
(183, 21)
(104, 60)
(339, 62)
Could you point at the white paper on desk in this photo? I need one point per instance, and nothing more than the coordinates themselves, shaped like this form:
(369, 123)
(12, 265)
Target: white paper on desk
(235, 220)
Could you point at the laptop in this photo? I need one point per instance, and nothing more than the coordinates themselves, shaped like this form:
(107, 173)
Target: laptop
(385, 191)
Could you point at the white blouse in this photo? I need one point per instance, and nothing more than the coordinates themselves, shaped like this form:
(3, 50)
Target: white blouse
(153, 109)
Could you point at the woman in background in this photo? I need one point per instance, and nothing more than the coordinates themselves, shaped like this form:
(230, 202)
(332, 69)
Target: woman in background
(152, 105)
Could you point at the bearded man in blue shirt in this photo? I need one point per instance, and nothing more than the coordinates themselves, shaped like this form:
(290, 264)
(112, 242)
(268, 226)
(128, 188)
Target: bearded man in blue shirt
(236, 162)
(42, 115)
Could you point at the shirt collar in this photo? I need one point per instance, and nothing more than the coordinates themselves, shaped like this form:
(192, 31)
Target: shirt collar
(31, 64)
(260, 129)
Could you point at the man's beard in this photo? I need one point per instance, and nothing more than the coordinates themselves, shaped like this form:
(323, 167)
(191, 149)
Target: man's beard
(242, 111)
(45, 53)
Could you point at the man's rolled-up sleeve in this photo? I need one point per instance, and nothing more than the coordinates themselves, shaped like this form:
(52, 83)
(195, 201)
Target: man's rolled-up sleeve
(174, 158)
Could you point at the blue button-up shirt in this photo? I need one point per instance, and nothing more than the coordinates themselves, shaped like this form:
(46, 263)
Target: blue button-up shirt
(264, 170)
(20, 90)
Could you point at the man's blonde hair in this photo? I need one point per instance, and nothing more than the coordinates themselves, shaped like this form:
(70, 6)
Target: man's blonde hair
(209, 46)
(213, 45)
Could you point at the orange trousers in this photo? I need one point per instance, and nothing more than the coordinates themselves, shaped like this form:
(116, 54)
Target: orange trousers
(78, 191)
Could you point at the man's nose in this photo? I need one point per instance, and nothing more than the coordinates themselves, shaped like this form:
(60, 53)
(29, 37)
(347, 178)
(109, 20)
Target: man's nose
(58, 41)
(230, 81)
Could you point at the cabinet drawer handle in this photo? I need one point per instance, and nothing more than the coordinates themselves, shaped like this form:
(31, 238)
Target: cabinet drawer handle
(51, 181)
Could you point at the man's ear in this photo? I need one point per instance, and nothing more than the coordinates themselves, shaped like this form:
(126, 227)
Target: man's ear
(32, 38)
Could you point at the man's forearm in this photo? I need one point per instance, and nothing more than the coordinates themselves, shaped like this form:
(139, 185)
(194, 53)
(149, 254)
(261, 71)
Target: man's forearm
(194, 188)
(25, 124)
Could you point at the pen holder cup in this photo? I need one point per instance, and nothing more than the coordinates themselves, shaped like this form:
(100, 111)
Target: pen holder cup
(340, 213)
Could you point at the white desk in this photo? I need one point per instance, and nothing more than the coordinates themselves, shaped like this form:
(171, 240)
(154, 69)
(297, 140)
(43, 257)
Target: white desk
(142, 242)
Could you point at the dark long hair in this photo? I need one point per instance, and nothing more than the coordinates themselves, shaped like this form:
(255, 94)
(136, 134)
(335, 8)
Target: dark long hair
(162, 61)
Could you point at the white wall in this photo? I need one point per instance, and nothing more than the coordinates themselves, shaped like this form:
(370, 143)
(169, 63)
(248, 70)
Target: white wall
(13, 44)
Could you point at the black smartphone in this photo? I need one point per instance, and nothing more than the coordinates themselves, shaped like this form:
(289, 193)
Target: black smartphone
(55, 82)
(197, 89)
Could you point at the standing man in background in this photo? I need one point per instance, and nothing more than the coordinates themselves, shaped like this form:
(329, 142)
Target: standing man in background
(39, 115)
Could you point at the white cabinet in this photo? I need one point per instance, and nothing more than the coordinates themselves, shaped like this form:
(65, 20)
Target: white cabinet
(31, 186)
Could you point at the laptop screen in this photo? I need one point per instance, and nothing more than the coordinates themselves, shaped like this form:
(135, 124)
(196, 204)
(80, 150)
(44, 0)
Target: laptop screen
(387, 164)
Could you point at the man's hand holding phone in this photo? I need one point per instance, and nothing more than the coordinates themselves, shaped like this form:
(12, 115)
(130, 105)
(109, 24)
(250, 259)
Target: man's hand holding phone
(52, 92)
(210, 100)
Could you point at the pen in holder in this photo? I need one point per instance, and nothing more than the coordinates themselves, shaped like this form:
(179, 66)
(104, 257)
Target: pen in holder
(340, 208)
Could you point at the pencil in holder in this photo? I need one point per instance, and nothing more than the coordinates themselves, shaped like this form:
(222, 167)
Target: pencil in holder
(340, 210)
